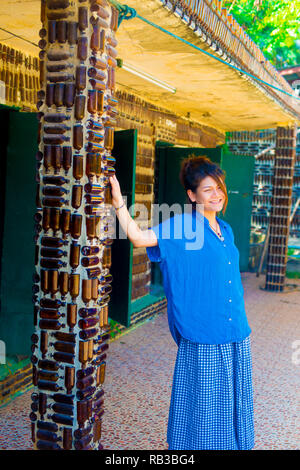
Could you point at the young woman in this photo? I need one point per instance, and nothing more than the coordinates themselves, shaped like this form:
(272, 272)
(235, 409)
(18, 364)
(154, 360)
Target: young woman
(212, 398)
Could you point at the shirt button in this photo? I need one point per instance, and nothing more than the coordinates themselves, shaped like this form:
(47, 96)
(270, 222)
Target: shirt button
(229, 319)
(229, 282)
(230, 300)
(229, 262)
(224, 245)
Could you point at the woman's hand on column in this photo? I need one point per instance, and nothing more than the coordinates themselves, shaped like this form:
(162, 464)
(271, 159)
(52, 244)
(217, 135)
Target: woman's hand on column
(117, 199)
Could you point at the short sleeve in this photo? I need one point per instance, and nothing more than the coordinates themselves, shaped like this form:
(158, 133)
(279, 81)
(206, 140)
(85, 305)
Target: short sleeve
(156, 253)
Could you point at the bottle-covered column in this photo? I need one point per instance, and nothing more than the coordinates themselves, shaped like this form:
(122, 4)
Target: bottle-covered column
(72, 282)
(281, 208)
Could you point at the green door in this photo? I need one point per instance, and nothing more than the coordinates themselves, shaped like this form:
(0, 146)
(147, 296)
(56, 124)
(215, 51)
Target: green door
(17, 260)
(124, 151)
(239, 181)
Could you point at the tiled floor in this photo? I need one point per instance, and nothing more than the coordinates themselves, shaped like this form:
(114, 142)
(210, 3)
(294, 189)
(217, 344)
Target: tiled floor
(140, 370)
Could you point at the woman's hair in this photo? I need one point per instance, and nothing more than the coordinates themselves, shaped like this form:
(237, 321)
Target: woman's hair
(195, 169)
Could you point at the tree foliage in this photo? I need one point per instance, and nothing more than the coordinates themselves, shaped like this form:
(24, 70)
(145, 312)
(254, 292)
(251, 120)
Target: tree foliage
(273, 25)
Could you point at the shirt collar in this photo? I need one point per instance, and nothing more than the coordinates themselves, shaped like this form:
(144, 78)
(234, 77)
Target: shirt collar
(206, 222)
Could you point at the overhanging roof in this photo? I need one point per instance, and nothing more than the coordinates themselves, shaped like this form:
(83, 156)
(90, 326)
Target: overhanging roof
(211, 92)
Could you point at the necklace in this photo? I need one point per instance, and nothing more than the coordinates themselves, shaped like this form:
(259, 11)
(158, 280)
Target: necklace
(218, 233)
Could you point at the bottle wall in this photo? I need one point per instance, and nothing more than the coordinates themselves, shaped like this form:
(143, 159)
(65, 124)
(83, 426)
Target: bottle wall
(73, 232)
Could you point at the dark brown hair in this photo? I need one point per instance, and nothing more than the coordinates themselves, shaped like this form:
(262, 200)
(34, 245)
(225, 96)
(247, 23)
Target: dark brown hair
(194, 169)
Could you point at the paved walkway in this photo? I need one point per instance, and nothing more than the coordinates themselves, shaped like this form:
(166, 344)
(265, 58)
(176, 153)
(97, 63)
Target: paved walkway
(140, 370)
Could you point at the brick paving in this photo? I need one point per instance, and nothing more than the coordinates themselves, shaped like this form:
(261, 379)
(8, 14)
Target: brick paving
(139, 377)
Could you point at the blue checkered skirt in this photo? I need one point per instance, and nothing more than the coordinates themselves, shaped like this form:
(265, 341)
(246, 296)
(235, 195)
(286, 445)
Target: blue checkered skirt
(211, 404)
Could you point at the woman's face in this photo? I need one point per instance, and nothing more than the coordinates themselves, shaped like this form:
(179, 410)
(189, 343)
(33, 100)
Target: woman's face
(208, 193)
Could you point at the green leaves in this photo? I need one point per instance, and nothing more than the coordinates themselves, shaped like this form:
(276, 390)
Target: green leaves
(273, 25)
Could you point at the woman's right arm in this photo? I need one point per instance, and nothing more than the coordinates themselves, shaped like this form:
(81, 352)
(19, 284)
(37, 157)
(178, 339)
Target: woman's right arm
(138, 237)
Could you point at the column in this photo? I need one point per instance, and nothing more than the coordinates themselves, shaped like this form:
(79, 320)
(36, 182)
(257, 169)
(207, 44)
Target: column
(73, 225)
(281, 208)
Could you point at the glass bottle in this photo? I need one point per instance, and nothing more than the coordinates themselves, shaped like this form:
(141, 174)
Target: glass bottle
(71, 315)
(74, 254)
(76, 224)
(77, 166)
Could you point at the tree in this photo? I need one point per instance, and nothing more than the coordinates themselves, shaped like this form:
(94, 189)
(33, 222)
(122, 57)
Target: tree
(273, 25)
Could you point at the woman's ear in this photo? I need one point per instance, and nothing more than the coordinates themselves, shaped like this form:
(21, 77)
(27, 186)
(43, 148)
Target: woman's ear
(191, 195)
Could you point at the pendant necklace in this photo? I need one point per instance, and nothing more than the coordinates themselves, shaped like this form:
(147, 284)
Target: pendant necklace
(219, 234)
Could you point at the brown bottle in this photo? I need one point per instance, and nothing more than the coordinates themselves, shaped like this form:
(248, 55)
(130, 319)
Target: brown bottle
(42, 403)
(82, 18)
(91, 226)
(51, 303)
(61, 31)
(51, 31)
(86, 290)
(65, 218)
(87, 334)
(44, 343)
(97, 84)
(83, 352)
(74, 285)
(93, 272)
(56, 158)
(91, 124)
(91, 261)
(92, 101)
(77, 136)
(98, 63)
(80, 79)
(97, 74)
(58, 99)
(93, 147)
(91, 164)
(86, 323)
(50, 94)
(71, 315)
(95, 136)
(95, 38)
(51, 314)
(69, 379)
(63, 283)
(46, 218)
(100, 102)
(82, 48)
(67, 438)
(66, 337)
(72, 32)
(58, 128)
(77, 167)
(111, 82)
(50, 325)
(69, 95)
(56, 55)
(62, 346)
(109, 138)
(94, 289)
(53, 277)
(54, 219)
(44, 281)
(79, 107)
(74, 254)
(47, 158)
(76, 196)
(67, 158)
(76, 224)
(52, 263)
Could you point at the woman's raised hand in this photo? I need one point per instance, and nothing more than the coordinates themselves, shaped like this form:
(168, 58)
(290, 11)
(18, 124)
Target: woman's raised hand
(116, 194)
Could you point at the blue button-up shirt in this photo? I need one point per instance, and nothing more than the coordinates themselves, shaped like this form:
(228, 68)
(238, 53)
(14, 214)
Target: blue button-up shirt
(201, 279)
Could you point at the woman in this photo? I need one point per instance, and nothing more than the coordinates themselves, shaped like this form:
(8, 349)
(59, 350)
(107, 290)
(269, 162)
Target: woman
(212, 398)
